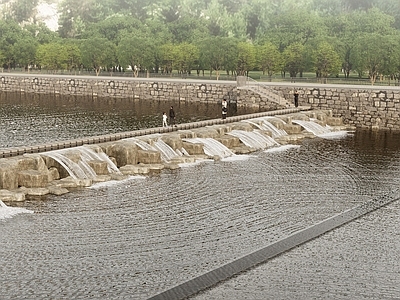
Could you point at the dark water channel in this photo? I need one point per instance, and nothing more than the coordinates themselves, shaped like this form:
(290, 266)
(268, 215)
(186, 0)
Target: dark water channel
(24, 116)
(136, 238)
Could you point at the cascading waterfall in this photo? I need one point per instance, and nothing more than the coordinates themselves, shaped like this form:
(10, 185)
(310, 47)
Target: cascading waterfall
(313, 127)
(142, 144)
(88, 154)
(276, 132)
(167, 153)
(82, 169)
(254, 139)
(267, 126)
(212, 147)
(253, 123)
(75, 170)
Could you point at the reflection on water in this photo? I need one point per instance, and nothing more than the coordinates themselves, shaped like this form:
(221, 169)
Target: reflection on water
(27, 119)
(136, 238)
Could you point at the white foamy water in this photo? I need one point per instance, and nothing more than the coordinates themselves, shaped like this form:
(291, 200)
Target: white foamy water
(282, 148)
(7, 212)
(334, 135)
(100, 185)
(237, 157)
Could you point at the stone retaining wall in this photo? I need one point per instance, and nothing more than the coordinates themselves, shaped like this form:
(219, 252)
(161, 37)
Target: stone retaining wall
(120, 87)
(362, 107)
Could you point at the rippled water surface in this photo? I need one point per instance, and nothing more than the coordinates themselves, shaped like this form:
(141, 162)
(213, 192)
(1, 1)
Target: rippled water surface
(135, 238)
(27, 119)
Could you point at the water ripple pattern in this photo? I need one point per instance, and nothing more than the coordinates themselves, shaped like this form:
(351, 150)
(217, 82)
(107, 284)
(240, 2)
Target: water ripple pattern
(136, 238)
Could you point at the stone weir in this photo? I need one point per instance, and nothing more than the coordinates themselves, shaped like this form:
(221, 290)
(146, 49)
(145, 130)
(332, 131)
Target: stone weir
(58, 168)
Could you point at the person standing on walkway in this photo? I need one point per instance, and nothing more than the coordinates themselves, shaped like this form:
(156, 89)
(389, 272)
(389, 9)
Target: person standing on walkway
(224, 108)
(172, 116)
(296, 98)
(164, 120)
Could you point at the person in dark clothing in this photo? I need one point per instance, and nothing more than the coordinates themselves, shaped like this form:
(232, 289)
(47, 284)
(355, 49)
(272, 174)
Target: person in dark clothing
(171, 116)
(296, 98)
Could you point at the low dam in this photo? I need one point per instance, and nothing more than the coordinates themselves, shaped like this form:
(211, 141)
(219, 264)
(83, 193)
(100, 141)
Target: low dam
(43, 169)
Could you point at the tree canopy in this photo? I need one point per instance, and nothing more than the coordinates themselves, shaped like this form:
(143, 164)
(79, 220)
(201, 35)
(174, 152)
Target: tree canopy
(235, 36)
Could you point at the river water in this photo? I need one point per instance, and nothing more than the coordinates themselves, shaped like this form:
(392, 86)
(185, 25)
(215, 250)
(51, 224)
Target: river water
(133, 239)
(57, 118)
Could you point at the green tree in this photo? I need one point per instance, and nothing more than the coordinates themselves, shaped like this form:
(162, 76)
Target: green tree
(219, 53)
(369, 55)
(22, 10)
(297, 26)
(74, 56)
(137, 52)
(391, 58)
(294, 59)
(98, 53)
(246, 59)
(10, 33)
(326, 60)
(187, 56)
(25, 51)
(41, 33)
(168, 56)
(52, 56)
(115, 28)
(75, 15)
(269, 59)
(187, 30)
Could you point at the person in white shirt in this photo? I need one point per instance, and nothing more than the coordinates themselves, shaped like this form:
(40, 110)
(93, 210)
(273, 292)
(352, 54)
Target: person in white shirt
(164, 119)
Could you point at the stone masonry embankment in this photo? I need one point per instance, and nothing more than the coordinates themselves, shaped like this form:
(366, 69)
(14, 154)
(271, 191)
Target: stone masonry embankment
(120, 87)
(373, 107)
(360, 106)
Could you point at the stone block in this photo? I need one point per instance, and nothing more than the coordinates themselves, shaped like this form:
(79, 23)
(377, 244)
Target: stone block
(53, 174)
(57, 190)
(205, 132)
(8, 174)
(242, 126)
(333, 121)
(183, 134)
(124, 152)
(173, 140)
(292, 128)
(33, 178)
(32, 161)
(100, 167)
(9, 196)
(148, 157)
(229, 141)
(193, 148)
(134, 169)
(36, 192)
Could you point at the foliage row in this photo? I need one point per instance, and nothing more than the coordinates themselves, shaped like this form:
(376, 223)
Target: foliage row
(235, 36)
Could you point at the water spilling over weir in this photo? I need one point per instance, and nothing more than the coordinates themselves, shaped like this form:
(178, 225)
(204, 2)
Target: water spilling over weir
(132, 238)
